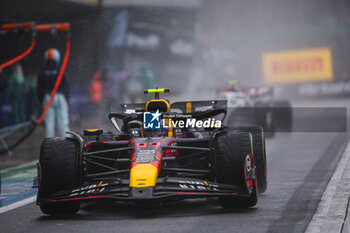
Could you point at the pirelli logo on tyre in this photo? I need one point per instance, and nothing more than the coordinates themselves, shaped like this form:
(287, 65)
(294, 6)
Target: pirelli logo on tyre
(298, 66)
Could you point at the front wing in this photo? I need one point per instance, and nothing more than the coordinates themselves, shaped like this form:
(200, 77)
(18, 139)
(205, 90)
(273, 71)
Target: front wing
(172, 187)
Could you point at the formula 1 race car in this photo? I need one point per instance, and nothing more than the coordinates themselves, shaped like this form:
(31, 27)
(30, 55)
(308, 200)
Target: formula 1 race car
(256, 105)
(160, 152)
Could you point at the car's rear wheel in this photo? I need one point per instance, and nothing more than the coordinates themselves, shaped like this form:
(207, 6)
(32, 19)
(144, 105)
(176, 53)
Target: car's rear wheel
(259, 154)
(58, 171)
(264, 118)
(231, 151)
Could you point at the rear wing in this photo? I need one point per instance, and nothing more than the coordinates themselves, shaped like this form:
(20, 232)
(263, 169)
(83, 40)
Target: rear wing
(251, 91)
(183, 107)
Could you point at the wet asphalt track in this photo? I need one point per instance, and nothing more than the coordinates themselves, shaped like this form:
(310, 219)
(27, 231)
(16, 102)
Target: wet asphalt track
(299, 167)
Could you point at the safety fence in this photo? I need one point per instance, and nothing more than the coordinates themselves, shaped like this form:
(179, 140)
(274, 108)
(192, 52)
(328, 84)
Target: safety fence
(33, 28)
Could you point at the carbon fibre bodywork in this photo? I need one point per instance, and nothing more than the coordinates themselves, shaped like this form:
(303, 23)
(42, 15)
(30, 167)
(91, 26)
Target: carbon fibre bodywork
(107, 165)
(136, 164)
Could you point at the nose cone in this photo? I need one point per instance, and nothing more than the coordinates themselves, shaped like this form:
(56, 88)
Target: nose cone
(143, 175)
(142, 193)
(146, 162)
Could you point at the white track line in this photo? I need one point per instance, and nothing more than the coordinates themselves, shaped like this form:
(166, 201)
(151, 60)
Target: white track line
(331, 211)
(17, 204)
(22, 202)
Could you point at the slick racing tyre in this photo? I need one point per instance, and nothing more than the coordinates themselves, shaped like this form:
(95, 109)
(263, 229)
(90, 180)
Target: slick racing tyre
(231, 150)
(58, 172)
(259, 154)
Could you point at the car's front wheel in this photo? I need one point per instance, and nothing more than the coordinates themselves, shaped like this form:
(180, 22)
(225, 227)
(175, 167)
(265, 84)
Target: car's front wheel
(233, 151)
(59, 170)
(259, 152)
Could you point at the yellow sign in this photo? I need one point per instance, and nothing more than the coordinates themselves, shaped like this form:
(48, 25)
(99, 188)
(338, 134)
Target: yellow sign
(298, 66)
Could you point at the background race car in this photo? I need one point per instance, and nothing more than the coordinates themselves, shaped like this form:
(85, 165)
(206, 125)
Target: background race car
(256, 105)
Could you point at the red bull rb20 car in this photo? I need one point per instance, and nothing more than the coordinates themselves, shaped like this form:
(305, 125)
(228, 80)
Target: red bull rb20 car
(144, 164)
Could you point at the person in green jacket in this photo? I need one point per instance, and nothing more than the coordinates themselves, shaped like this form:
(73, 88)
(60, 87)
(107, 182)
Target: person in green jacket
(15, 91)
